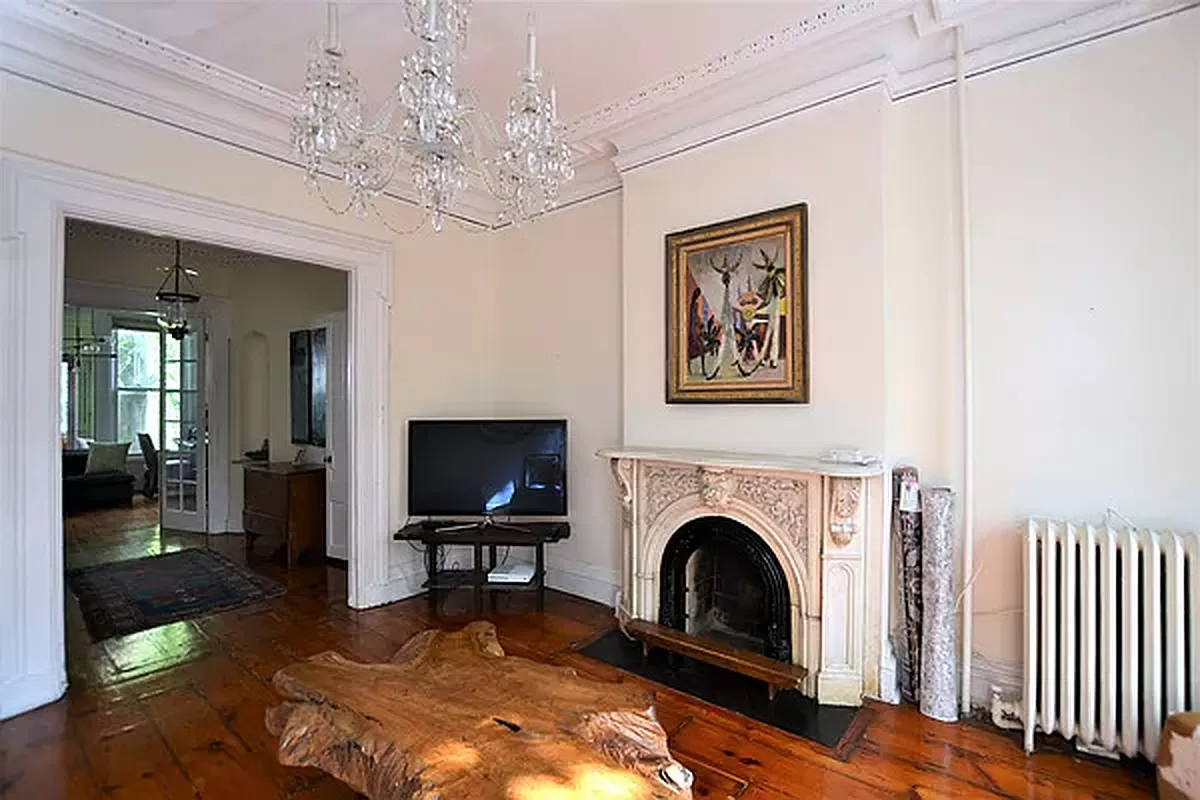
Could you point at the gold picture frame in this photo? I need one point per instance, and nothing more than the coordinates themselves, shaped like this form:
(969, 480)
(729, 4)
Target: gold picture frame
(737, 310)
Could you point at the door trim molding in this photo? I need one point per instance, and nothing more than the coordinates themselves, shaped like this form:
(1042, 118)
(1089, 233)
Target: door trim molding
(36, 197)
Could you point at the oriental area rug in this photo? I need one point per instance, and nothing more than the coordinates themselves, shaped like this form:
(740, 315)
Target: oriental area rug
(124, 597)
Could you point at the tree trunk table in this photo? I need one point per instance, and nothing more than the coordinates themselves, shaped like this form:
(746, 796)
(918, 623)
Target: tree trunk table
(452, 717)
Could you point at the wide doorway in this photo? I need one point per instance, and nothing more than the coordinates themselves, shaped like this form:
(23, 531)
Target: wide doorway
(31, 469)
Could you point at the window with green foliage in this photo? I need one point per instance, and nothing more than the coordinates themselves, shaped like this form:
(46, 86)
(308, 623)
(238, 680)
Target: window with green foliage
(139, 381)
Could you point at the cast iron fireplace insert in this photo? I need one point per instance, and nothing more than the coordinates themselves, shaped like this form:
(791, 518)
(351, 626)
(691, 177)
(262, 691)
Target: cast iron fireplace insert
(719, 580)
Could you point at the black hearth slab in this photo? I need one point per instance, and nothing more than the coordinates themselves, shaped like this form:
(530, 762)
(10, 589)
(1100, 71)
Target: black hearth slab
(790, 711)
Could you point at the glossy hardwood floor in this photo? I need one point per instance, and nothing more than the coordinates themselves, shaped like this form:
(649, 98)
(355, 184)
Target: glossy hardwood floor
(177, 712)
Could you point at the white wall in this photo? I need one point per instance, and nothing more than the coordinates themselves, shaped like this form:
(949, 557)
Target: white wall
(830, 159)
(558, 354)
(273, 298)
(441, 287)
(270, 299)
(1085, 177)
(1085, 207)
(921, 287)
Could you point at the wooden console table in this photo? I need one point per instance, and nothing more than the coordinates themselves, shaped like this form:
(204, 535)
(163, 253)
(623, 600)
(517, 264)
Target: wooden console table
(435, 535)
(284, 505)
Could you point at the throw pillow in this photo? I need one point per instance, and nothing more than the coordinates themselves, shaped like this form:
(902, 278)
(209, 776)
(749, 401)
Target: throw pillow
(107, 457)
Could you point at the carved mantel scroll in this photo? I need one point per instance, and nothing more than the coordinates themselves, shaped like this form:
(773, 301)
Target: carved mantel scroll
(844, 498)
(622, 470)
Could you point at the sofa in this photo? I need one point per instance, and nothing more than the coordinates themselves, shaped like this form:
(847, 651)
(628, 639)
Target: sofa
(84, 491)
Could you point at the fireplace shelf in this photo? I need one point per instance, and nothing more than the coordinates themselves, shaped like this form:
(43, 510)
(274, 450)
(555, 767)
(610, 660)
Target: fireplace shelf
(776, 674)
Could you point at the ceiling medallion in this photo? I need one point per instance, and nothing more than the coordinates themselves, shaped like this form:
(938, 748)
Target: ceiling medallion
(430, 125)
(175, 296)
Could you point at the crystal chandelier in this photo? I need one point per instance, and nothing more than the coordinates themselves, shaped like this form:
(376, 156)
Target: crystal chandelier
(431, 126)
(175, 296)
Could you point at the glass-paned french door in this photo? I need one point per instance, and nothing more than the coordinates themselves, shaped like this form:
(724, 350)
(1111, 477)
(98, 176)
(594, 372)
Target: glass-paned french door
(183, 462)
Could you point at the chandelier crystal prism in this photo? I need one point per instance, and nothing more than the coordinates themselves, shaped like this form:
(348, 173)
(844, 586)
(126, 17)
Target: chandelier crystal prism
(431, 127)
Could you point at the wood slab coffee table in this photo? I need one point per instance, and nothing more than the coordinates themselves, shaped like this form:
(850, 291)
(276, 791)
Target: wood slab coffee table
(451, 716)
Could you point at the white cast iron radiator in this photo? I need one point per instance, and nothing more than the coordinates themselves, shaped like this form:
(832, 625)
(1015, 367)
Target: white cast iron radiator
(1112, 633)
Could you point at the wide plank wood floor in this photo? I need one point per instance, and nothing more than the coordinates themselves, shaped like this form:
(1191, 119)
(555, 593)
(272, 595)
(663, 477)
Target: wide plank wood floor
(177, 712)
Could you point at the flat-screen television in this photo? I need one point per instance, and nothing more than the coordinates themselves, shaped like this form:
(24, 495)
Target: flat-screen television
(487, 467)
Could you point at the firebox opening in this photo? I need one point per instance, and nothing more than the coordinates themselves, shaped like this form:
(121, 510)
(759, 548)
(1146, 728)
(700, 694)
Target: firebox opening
(720, 580)
(726, 597)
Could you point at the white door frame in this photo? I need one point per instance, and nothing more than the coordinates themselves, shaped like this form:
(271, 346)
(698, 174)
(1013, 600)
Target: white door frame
(36, 197)
(110, 296)
(336, 456)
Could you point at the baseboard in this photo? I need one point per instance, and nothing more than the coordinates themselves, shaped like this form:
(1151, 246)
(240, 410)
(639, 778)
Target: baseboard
(28, 692)
(581, 579)
(889, 683)
(1003, 675)
(404, 581)
(839, 690)
(406, 577)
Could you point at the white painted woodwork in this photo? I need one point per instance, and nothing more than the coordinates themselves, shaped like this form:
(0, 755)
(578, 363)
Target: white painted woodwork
(755, 461)
(1065, 648)
(173, 460)
(818, 520)
(35, 199)
(337, 454)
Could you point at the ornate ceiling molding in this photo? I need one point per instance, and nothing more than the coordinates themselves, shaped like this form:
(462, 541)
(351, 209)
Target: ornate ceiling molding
(86, 232)
(824, 22)
(844, 46)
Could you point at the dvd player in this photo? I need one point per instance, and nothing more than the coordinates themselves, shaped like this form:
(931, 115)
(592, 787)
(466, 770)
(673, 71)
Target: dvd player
(512, 573)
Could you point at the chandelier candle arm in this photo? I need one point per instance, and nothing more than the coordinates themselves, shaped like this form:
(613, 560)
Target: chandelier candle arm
(531, 52)
(331, 24)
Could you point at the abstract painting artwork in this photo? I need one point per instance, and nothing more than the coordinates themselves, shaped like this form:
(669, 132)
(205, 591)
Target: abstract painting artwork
(736, 307)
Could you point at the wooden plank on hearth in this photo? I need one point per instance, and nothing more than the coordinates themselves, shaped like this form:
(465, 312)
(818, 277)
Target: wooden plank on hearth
(777, 674)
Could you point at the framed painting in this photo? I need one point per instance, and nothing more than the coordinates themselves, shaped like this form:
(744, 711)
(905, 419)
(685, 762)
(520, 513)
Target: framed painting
(737, 316)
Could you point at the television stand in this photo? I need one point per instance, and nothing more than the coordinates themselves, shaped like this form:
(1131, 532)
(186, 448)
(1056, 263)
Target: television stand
(478, 535)
(485, 523)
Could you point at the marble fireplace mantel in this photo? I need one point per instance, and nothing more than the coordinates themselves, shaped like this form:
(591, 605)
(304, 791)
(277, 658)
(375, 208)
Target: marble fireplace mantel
(823, 521)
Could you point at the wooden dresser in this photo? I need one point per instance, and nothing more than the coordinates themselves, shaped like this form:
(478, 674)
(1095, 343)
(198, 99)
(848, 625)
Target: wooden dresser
(284, 509)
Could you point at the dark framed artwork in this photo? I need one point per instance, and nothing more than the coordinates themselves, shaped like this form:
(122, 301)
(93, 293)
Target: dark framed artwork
(737, 310)
(317, 389)
(308, 366)
(300, 372)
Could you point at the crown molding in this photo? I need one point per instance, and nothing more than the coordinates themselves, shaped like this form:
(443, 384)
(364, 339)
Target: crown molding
(905, 51)
(903, 46)
(821, 25)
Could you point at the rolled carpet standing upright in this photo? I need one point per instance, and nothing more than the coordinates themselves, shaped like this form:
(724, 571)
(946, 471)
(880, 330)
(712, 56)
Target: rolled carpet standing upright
(939, 634)
(906, 547)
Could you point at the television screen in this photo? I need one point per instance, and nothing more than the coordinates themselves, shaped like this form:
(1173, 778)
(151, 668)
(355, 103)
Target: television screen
(483, 467)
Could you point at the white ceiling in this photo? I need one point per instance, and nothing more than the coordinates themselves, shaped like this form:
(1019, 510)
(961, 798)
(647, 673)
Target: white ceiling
(595, 52)
(637, 80)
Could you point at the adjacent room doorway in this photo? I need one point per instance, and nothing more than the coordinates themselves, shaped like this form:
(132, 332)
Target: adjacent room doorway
(38, 197)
